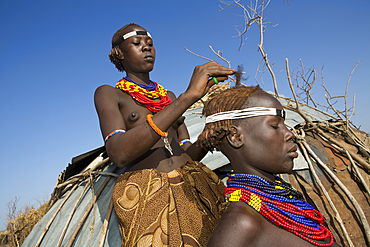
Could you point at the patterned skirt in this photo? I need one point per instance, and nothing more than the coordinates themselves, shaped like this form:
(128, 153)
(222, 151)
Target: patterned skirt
(179, 208)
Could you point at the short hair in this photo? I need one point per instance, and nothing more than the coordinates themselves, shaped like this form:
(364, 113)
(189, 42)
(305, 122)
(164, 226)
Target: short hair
(116, 53)
(229, 100)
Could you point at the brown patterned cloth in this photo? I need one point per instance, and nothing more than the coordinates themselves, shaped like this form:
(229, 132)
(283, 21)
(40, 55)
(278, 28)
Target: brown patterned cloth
(179, 208)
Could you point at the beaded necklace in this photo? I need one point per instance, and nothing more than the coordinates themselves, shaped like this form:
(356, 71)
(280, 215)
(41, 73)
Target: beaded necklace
(149, 87)
(281, 204)
(146, 95)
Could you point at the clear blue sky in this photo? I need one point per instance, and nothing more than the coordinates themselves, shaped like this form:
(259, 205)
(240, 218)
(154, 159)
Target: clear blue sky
(54, 54)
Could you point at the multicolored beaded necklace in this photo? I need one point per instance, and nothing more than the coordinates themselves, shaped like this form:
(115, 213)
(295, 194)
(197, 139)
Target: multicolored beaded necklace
(146, 94)
(281, 204)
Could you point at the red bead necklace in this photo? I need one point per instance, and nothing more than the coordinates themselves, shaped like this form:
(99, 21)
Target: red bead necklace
(146, 97)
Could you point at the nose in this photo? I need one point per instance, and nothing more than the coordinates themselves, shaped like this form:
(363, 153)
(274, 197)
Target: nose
(146, 47)
(289, 135)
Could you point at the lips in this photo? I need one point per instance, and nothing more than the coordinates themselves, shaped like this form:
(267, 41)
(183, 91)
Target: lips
(149, 57)
(293, 151)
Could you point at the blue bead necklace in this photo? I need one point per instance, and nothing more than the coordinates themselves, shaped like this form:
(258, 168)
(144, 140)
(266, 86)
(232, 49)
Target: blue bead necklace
(281, 204)
(149, 87)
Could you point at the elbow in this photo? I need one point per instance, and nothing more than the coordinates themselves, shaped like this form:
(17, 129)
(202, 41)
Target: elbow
(119, 159)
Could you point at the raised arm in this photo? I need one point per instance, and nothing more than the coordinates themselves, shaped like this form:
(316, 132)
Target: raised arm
(125, 148)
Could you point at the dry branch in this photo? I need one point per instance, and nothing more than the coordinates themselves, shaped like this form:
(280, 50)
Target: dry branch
(105, 224)
(71, 215)
(219, 54)
(54, 215)
(354, 202)
(83, 218)
(326, 194)
(359, 160)
(354, 166)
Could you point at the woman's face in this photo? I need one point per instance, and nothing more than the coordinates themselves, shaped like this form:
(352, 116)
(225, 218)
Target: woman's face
(138, 52)
(268, 146)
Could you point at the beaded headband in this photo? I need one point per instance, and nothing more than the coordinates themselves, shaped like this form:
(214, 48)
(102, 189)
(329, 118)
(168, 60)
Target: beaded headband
(245, 113)
(128, 35)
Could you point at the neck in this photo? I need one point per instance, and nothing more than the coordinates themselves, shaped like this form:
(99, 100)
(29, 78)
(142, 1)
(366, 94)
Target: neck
(245, 168)
(240, 164)
(142, 78)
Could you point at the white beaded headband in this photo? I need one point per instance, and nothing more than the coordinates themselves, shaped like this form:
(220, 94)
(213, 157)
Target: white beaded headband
(245, 113)
(128, 35)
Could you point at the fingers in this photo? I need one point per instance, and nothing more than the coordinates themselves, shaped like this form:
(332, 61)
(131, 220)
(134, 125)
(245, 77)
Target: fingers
(202, 78)
(221, 78)
(215, 69)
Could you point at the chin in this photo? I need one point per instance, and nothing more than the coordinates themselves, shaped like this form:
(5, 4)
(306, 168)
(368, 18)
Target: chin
(288, 168)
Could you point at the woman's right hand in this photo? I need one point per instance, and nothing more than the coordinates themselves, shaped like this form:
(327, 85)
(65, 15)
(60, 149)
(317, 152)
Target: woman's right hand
(200, 81)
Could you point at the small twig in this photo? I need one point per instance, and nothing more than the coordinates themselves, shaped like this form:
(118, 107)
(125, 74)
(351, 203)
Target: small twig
(345, 98)
(105, 224)
(81, 176)
(263, 53)
(357, 140)
(292, 89)
(308, 90)
(218, 54)
(106, 174)
(353, 108)
(363, 182)
(91, 181)
(332, 107)
(206, 58)
(261, 73)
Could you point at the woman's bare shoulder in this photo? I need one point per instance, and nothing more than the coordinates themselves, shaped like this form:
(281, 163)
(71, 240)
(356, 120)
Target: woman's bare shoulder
(106, 95)
(239, 224)
(247, 218)
(171, 95)
(104, 90)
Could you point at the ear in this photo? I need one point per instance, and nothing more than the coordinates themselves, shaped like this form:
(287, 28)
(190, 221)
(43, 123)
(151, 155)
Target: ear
(120, 55)
(235, 137)
(118, 52)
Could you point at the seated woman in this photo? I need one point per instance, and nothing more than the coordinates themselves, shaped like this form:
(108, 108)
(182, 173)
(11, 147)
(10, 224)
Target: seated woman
(164, 197)
(247, 125)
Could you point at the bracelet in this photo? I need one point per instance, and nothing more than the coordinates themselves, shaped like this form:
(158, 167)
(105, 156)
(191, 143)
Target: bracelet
(164, 135)
(184, 141)
(112, 134)
(154, 127)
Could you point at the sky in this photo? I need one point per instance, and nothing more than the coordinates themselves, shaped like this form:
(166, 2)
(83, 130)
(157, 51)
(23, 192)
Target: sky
(54, 54)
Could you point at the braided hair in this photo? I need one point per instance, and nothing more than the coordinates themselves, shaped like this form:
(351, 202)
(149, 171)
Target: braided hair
(229, 100)
(115, 54)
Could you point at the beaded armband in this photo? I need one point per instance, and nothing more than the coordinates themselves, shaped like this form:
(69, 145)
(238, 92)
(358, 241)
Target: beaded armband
(113, 133)
(184, 141)
(164, 135)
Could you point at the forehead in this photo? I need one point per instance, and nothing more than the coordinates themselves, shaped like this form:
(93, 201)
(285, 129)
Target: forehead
(262, 99)
(133, 28)
(129, 33)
